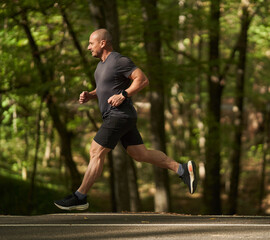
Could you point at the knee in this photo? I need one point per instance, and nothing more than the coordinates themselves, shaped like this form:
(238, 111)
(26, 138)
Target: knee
(96, 153)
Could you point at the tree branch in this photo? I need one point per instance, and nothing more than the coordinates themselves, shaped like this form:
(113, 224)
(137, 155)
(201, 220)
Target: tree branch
(92, 120)
(77, 44)
(230, 59)
(190, 57)
(51, 47)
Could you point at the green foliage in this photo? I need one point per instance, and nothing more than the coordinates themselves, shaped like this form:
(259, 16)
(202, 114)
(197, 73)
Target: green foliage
(14, 198)
(183, 26)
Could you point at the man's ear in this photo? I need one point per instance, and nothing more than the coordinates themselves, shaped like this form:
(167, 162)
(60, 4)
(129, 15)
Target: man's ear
(102, 43)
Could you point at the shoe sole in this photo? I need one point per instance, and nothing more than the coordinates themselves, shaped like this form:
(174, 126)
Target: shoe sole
(79, 207)
(191, 175)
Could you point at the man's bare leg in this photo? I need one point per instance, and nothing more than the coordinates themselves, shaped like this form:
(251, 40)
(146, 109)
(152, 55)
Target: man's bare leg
(142, 154)
(78, 200)
(186, 171)
(95, 166)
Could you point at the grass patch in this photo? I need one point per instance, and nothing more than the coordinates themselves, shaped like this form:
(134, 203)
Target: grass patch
(15, 198)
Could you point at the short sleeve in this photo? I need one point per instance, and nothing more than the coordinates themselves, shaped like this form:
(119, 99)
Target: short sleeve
(125, 66)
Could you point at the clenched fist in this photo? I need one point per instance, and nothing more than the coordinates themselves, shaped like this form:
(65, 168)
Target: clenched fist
(84, 97)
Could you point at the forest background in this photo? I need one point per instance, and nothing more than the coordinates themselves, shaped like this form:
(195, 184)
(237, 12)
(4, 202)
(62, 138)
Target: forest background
(208, 62)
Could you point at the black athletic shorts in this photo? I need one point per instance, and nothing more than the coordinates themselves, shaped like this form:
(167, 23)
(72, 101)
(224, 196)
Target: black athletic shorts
(114, 129)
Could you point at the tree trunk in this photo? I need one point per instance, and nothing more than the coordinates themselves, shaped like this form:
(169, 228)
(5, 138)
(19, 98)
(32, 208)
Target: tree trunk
(112, 185)
(65, 136)
(33, 176)
(48, 147)
(112, 23)
(65, 139)
(154, 63)
(199, 80)
(119, 157)
(212, 167)
(96, 8)
(239, 118)
(26, 154)
(105, 15)
(266, 154)
(120, 165)
(135, 201)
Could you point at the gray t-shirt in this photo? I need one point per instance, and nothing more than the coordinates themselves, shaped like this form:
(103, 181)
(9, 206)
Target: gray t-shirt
(111, 78)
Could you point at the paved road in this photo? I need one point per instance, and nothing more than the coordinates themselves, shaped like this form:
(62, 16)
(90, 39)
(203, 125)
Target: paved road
(133, 226)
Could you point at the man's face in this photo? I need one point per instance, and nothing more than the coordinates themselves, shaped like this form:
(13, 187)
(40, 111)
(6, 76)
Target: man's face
(95, 46)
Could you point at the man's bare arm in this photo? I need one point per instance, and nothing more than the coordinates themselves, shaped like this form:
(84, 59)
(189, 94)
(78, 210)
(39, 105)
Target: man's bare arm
(139, 81)
(86, 96)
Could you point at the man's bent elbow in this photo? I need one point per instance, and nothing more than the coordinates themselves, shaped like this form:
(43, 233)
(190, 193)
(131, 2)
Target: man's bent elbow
(146, 82)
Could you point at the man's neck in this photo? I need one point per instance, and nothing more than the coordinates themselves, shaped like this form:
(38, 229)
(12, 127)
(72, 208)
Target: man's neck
(105, 55)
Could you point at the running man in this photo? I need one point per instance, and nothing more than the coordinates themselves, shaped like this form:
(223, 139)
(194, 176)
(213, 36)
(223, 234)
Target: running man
(117, 80)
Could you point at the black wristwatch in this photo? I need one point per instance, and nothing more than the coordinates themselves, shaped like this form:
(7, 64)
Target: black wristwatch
(125, 94)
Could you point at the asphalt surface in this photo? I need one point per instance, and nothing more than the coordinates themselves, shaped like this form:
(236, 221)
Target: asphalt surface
(133, 226)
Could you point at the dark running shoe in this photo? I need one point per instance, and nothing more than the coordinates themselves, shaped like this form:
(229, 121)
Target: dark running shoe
(189, 177)
(72, 202)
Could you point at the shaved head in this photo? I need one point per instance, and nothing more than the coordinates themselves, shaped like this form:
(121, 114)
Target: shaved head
(100, 43)
(103, 34)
